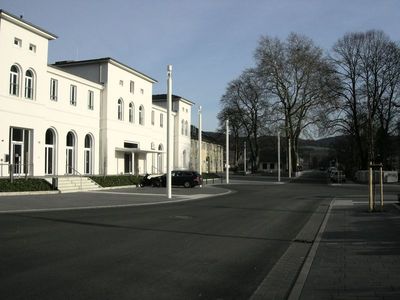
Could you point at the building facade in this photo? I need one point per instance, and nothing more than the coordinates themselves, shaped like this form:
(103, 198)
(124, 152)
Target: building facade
(80, 117)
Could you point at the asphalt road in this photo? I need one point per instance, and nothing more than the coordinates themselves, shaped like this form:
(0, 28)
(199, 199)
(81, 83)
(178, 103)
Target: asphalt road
(216, 248)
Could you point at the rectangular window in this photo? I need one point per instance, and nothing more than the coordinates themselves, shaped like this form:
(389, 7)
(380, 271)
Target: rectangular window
(121, 83)
(73, 95)
(32, 48)
(161, 120)
(53, 89)
(18, 42)
(142, 91)
(90, 100)
(152, 117)
(132, 87)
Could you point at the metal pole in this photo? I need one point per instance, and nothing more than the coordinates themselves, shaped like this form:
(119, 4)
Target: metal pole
(200, 125)
(290, 158)
(244, 159)
(227, 151)
(371, 195)
(279, 157)
(169, 130)
(381, 185)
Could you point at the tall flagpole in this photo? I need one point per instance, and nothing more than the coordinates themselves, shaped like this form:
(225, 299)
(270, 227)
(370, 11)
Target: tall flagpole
(169, 130)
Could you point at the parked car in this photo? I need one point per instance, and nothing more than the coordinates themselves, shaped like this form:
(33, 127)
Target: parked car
(183, 178)
(148, 180)
(337, 176)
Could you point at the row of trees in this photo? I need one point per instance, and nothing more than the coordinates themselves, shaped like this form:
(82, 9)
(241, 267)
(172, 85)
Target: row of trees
(297, 89)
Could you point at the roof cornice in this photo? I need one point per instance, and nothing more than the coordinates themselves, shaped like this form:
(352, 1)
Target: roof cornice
(26, 25)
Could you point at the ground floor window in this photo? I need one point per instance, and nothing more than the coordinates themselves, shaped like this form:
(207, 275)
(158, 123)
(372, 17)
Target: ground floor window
(20, 150)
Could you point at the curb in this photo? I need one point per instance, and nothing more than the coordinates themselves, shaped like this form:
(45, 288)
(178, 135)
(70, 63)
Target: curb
(28, 193)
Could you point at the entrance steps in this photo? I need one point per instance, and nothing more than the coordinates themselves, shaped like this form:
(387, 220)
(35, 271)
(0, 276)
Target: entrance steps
(71, 184)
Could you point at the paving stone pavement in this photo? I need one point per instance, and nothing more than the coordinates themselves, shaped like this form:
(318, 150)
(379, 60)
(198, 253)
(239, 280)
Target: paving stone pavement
(358, 256)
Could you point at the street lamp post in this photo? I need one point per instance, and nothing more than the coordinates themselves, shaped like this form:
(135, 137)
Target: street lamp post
(227, 151)
(169, 130)
(244, 158)
(200, 125)
(289, 158)
(279, 156)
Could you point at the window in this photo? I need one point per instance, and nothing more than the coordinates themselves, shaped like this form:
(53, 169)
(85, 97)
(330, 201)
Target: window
(32, 48)
(70, 153)
(142, 91)
(90, 100)
(14, 80)
(121, 83)
(18, 42)
(120, 109)
(131, 112)
(29, 84)
(141, 115)
(182, 127)
(49, 161)
(73, 95)
(88, 154)
(161, 120)
(152, 117)
(53, 89)
(186, 128)
(132, 87)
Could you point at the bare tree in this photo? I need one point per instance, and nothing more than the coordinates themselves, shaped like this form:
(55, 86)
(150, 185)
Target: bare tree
(246, 97)
(297, 75)
(367, 65)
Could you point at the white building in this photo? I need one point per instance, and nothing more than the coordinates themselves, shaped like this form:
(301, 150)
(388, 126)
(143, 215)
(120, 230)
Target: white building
(80, 117)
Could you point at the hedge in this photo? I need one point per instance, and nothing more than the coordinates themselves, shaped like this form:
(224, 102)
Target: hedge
(24, 185)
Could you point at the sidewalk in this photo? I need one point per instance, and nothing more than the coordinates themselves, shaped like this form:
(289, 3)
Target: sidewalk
(358, 256)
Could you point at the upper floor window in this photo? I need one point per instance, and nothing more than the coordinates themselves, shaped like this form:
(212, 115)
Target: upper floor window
(14, 80)
(29, 84)
(90, 100)
(120, 109)
(141, 115)
(18, 42)
(152, 117)
(132, 87)
(121, 83)
(186, 128)
(32, 48)
(73, 95)
(131, 112)
(53, 89)
(161, 120)
(182, 127)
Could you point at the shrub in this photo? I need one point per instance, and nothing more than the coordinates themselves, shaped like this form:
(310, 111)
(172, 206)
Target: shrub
(116, 180)
(24, 185)
(210, 175)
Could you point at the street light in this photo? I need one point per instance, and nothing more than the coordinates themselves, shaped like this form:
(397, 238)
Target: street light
(279, 156)
(169, 130)
(200, 125)
(227, 151)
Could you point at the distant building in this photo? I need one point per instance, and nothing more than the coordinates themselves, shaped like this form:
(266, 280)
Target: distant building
(94, 116)
(212, 152)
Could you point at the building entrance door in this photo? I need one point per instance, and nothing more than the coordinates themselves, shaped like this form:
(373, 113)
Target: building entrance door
(128, 163)
(17, 155)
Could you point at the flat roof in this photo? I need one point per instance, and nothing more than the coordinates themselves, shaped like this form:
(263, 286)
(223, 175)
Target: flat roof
(102, 60)
(163, 97)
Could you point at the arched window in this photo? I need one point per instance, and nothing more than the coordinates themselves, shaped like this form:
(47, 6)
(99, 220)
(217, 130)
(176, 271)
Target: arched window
(131, 112)
(141, 115)
(182, 127)
(120, 109)
(160, 166)
(50, 144)
(14, 80)
(186, 128)
(70, 153)
(29, 83)
(88, 154)
(184, 159)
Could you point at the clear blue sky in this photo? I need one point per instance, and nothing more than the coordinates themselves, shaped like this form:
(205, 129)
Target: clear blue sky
(208, 42)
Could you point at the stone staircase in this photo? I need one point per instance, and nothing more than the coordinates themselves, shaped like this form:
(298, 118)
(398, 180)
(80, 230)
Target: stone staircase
(70, 184)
